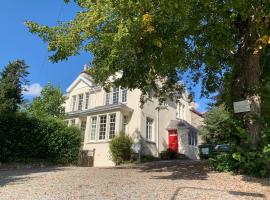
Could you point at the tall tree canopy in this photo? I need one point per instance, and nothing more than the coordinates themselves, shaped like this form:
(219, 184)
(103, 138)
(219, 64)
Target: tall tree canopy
(49, 103)
(12, 82)
(152, 40)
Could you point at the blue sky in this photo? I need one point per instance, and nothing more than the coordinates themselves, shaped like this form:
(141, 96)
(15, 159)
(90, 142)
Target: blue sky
(17, 43)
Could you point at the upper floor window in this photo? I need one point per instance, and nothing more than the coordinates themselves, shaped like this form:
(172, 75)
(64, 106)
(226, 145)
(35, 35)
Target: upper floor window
(80, 103)
(73, 102)
(107, 100)
(102, 127)
(115, 95)
(124, 95)
(112, 126)
(192, 138)
(149, 129)
(87, 100)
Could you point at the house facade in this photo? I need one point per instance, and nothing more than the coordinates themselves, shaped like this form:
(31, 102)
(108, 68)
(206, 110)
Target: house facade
(101, 116)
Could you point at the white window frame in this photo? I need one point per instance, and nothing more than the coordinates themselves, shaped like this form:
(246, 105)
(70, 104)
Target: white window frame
(80, 102)
(115, 95)
(73, 102)
(124, 92)
(101, 128)
(87, 97)
(73, 122)
(125, 123)
(149, 129)
(107, 98)
(192, 138)
(93, 126)
(112, 125)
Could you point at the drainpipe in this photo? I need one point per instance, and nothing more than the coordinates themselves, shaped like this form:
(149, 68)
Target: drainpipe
(158, 132)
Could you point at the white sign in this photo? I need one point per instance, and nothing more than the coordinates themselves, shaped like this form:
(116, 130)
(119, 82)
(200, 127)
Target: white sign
(205, 151)
(241, 106)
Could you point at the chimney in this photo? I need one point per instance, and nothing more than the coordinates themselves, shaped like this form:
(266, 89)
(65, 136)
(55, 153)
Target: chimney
(85, 67)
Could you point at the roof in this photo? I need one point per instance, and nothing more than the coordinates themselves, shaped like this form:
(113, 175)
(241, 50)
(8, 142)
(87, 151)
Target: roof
(175, 124)
(197, 112)
(82, 77)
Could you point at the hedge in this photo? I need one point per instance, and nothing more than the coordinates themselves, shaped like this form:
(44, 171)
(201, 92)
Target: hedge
(24, 137)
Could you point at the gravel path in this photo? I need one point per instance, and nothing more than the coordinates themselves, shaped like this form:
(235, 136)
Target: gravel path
(157, 180)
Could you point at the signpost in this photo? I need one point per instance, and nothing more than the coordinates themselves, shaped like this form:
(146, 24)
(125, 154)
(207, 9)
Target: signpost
(241, 106)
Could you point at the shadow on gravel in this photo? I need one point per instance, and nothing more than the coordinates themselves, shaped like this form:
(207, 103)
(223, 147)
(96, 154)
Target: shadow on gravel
(20, 176)
(235, 193)
(262, 181)
(179, 169)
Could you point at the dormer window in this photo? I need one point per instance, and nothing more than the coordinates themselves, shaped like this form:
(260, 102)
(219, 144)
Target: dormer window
(115, 95)
(80, 104)
(124, 95)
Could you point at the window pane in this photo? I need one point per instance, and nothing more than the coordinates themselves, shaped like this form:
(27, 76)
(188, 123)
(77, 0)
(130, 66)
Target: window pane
(93, 128)
(86, 100)
(80, 102)
(125, 123)
(102, 127)
(112, 126)
(124, 95)
(73, 102)
(149, 128)
(115, 95)
(107, 98)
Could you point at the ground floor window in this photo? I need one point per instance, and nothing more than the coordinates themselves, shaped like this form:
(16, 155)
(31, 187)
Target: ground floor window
(112, 126)
(72, 122)
(125, 123)
(192, 138)
(149, 129)
(102, 127)
(83, 127)
(93, 128)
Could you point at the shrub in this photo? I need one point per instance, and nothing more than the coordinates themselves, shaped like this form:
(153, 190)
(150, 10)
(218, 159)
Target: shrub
(120, 148)
(168, 154)
(23, 137)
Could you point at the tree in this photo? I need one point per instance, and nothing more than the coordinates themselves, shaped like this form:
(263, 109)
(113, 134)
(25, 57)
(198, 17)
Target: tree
(159, 40)
(49, 103)
(12, 81)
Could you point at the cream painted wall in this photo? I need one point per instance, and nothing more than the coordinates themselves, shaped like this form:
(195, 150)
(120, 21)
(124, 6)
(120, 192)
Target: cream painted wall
(136, 121)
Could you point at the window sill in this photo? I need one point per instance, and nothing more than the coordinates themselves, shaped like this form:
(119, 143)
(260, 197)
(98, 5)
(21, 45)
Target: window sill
(150, 141)
(97, 142)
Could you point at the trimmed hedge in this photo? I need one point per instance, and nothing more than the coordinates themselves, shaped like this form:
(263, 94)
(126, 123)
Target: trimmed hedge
(24, 137)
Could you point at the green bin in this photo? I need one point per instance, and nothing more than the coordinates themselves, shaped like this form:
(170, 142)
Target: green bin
(206, 151)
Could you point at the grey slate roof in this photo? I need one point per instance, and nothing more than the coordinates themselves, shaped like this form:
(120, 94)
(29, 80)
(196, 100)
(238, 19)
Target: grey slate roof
(175, 124)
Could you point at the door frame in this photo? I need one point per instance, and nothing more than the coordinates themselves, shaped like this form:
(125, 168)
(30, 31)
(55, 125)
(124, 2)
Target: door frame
(176, 130)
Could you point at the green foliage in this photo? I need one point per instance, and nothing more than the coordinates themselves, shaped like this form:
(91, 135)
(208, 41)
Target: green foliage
(220, 127)
(49, 103)
(168, 154)
(224, 162)
(12, 80)
(120, 148)
(165, 37)
(24, 137)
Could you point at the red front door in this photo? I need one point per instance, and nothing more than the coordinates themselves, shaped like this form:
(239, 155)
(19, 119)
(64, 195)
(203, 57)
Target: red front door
(173, 140)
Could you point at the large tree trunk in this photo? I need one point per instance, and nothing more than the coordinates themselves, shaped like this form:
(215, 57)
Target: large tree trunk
(246, 86)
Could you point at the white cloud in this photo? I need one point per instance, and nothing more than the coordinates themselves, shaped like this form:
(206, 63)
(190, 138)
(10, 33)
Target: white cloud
(32, 90)
(197, 105)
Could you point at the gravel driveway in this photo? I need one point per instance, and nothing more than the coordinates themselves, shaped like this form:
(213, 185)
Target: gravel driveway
(157, 180)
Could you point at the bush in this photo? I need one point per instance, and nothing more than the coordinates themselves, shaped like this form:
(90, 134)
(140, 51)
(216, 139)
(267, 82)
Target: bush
(120, 148)
(23, 137)
(168, 154)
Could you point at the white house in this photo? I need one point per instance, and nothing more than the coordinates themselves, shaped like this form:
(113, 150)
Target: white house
(102, 115)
